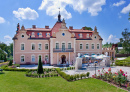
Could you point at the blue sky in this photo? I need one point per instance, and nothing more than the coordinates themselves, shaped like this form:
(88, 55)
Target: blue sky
(110, 16)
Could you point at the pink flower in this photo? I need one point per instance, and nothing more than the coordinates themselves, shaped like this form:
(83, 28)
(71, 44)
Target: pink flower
(109, 69)
(120, 69)
(98, 70)
(123, 74)
(126, 72)
(106, 72)
(126, 76)
(103, 68)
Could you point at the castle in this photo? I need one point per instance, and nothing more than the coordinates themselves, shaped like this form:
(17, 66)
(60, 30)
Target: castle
(57, 45)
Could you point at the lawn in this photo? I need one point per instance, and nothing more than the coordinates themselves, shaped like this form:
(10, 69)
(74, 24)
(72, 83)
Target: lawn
(17, 82)
(125, 62)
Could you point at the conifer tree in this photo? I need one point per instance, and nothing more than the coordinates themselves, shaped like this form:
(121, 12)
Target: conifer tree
(40, 68)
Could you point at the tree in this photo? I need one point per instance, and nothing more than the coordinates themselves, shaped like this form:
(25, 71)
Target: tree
(126, 41)
(129, 16)
(88, 28)
(40, 68)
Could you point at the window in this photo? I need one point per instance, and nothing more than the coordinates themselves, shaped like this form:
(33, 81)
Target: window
(22, 36)
(87, 46)
(63, 34)
(97, 46)
(92, 46)
(69, 45)
(33, 46)
(57, 45)
(87, 35)
(33, 58)
(46, 46)
(80, 35)
(95, 37)
(40, 34)
(33, 34)
(46, 59)
(81, 46)
(22, 46)
(40, 46)
(22, 59)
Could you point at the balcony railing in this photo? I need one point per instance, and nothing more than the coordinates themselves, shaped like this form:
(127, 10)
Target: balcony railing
(63, 49)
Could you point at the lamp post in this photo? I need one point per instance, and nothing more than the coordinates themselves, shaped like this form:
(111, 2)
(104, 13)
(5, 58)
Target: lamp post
(95, 66)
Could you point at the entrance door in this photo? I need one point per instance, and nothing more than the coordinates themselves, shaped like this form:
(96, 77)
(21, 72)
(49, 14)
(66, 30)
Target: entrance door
(63, 58)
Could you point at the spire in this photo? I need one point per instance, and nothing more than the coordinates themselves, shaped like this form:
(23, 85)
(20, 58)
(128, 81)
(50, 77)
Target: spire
(18, 27)
(95, 29)
(59, 16)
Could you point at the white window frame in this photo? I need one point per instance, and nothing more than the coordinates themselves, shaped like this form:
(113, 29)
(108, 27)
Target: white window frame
(24, 58)
(86, 46)
(70, 45)
(39, 47)
(97, 46)
(21, 47)
(58, 45)
(79, 46)
(93, 45)
(31, 58)
(34, 47)
(47, 45)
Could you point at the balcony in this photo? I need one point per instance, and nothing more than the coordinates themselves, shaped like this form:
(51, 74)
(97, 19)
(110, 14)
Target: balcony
(63, 49)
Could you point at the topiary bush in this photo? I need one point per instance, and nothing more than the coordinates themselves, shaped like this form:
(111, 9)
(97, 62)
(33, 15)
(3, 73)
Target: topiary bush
(10, 63)
(40, 68)
(87, 74)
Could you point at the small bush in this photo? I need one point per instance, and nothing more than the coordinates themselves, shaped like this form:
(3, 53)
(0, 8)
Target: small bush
(10, 63)
(17, 65)
(88, 73)
(40, 68)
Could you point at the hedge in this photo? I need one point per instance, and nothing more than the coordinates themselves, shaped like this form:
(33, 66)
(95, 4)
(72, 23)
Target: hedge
(122, 62)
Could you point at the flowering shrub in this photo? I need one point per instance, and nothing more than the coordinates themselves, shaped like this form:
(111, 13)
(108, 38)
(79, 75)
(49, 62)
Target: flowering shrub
(119, 77)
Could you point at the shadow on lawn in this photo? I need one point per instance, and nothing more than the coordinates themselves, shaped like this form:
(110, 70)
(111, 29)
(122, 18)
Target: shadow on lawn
(2, 73)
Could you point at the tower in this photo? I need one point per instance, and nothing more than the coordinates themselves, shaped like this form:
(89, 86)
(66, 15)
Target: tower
(59, 16)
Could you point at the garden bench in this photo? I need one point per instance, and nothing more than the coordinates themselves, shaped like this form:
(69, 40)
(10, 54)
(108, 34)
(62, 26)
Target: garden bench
(1, 70)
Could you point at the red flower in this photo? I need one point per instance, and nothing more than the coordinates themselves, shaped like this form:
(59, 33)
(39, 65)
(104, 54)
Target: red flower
(103, 68)
(109, 69)
(120, 69)
(126, 72)
(126, 76)
(98, 70)
(106, 72)
(123, 74)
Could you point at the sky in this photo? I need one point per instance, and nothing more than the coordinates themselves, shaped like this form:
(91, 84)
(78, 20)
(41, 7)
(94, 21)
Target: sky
(109, 16)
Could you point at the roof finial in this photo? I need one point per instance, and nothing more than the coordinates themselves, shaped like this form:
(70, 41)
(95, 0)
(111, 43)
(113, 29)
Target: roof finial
(59, 16)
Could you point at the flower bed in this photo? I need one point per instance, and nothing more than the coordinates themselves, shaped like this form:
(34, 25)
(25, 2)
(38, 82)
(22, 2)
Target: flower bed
(118, 78)
(72, 77)
(50, 72)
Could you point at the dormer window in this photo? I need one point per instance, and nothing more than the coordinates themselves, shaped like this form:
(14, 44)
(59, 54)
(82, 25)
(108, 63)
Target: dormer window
(80, 35)
(33, 34)
(87, 36)
(48, 34)
(40, 34)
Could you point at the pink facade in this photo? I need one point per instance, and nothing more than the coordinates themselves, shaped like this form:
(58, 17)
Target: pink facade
(55, 45)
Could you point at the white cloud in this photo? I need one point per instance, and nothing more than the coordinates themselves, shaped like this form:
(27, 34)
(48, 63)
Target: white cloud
(8, 39)
(26, 13)
(126, 9)
(2, 20)
(51, 7)
(119, 3)
(112, 39)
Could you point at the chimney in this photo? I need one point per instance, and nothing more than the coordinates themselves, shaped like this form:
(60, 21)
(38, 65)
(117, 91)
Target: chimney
(33, 26)
(83, 28)
(71, 27)
(46, 27)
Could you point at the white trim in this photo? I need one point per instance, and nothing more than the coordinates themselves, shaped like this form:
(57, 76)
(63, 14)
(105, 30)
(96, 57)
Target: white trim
(64, 43)
(55, 44)
(20, 46)
(34, 47)
(31, 58)
(69, 42)
(99, 46)
(38, 46)
(87, 51)
(88, 46)
(20, 58)
(79, 46)
(21, 35)
(91, 46)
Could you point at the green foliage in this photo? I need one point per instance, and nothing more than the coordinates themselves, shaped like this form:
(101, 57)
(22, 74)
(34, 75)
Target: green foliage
(10, 63)
(126, 41)
(40, 68)
(88, 73)
(125, 62)
(17, 65)
(107, 45)
(88, 28)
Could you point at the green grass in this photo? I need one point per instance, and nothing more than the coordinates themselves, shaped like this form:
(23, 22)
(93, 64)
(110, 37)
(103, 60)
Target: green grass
(128, 58)
(125, 62)
(17, 82)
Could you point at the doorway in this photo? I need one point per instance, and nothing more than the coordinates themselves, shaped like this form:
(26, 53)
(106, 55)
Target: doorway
(63, 58)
